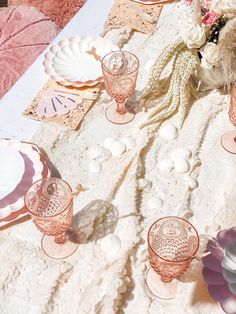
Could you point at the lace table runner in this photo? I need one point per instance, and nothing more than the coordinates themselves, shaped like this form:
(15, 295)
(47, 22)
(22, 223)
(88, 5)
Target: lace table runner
(107, 272)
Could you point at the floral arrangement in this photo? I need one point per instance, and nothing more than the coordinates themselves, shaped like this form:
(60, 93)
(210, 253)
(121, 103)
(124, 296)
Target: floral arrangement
(210, 16)
(205, 55)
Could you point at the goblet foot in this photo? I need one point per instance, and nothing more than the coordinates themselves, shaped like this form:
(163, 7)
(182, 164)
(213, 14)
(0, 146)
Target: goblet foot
(159, 288)
(55, 250)
(113, 116)
(228, 141)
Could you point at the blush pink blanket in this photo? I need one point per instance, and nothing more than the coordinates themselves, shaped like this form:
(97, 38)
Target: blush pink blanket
(59, 11)
(24, 33)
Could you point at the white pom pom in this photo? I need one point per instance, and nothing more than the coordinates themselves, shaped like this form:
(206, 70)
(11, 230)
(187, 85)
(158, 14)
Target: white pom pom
(110, 245)
(117, 148)
(191, 182)
(168, 131)
(181, 165)
(181, 153)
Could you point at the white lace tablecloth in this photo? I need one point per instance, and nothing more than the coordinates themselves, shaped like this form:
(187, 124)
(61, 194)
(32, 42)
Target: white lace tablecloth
(105, 276)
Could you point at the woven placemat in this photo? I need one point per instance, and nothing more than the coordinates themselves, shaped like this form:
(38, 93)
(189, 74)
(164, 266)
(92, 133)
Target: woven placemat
(140, 17)
(74, 117)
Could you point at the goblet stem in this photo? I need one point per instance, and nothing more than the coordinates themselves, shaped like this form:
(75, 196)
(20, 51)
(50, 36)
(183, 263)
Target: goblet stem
(166, 279)
(60, 238)
(121, 107)
(159, 288)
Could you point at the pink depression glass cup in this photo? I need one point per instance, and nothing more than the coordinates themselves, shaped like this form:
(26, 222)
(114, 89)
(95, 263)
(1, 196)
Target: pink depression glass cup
(172, 243)
(50, 205)
(120, 70)
(228, 140)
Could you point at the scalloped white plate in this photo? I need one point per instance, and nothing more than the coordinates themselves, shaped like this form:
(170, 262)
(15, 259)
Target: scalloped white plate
(34, 169)
(12, 168)
(76, 61)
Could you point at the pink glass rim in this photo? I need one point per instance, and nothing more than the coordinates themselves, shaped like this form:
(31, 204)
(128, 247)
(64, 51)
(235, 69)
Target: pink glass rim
(64, 209)
(105, 68)
(167, 260)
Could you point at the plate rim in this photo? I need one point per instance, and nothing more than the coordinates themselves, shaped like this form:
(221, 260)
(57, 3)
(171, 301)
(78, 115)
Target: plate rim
(48, 60)
(21, 175)
(33, 153)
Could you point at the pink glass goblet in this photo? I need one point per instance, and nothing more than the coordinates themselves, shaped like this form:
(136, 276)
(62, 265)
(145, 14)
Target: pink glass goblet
(228, 140)
(50, 205)
(120, 70)
(172, 243)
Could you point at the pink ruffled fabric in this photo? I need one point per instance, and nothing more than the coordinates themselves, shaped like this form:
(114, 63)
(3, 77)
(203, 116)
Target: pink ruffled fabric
(59, 11)
(24, 34)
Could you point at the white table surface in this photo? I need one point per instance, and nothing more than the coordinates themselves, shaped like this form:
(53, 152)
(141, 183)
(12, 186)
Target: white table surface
(88, 21)
(91, 279)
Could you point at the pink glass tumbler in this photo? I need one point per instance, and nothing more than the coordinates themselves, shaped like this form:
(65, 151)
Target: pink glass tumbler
(228, 140)
(120, 70)
(50, 205)
(172, 243)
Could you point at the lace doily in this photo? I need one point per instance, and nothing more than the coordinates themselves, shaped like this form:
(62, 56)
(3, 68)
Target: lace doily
(137, 16)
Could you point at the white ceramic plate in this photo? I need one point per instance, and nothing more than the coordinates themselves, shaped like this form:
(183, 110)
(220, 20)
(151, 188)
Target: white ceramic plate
(76, 61)
(34, 168)
(12, 168)
(16, 215)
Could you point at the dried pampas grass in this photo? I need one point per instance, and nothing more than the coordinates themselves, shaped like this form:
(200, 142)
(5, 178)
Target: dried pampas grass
(227, 51)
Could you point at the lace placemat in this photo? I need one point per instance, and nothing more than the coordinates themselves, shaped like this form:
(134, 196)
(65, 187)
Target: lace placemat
(55, 103)
(133, 15)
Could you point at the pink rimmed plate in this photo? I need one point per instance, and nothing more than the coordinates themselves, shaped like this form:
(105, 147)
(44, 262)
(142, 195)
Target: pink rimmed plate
(12, 168)
(76, 61)
(35, 168)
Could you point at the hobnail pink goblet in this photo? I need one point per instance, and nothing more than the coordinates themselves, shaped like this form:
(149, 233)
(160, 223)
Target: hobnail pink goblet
(50, 205)
(228, 140)
(172, 243)
(120, 70)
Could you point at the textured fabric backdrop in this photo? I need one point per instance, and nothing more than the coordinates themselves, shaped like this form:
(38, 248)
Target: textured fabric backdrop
(59, 11)
(24, 34)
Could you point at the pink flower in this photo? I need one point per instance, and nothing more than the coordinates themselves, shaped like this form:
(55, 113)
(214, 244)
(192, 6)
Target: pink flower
(189, 1)
(210, 18)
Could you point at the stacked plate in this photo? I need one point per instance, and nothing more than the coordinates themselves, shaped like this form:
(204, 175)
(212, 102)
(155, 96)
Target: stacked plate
(219, 269)
(21, 164)
(76, 61)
